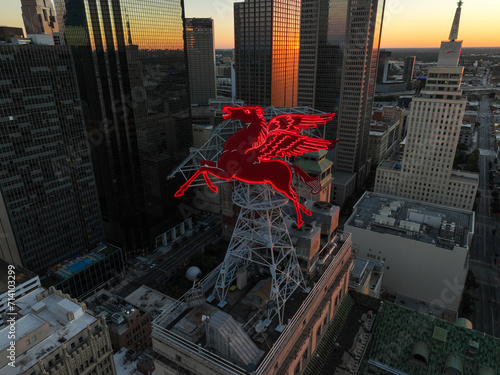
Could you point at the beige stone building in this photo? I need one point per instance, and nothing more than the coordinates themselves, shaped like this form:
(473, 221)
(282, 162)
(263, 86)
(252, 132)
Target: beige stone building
(425, 172)
(54, 334)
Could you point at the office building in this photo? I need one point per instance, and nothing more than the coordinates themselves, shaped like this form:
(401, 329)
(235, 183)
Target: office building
(434, 123)
(48, 203)
(339, 54)
(409, 66)
(7, 33)
(81, 275)
(56, 335)
(424, 247)
(384, 139)
(383, 66)
(201, 59)
(266, 51)
(39, 18)
(194, 335)
(134, 85)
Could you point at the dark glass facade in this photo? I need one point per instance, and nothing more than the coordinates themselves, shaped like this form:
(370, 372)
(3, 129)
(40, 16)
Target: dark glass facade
(201, 59)
(48, 200)
(131, 64)
(337, 70)
(102, 267)
(383, 66)
(267, 51)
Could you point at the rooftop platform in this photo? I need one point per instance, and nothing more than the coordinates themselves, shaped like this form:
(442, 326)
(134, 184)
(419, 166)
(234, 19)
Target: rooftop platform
(150, 300)
(185, 323)
(421, 221)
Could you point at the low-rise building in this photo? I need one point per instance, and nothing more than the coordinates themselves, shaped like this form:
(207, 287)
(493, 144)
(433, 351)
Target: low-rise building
(466, 134)
(129, 326)
(424, 247)
(384, 138)
(343, 185)
(150, 300)
(366, 277)
(54, 334)
(22, 282)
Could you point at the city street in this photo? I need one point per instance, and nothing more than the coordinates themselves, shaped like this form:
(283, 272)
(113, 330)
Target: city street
(486, 316)
(172, 260)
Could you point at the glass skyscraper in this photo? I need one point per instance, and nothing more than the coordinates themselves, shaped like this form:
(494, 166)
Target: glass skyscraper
(266, 38)
(131, 63)
(49, 209)
(201, 59)
(337, 70)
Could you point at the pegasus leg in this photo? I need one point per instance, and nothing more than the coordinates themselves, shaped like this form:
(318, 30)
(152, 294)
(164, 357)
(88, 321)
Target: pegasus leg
(185, 185)
(210, 183)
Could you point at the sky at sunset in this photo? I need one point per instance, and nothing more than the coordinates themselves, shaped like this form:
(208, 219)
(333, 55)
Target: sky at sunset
(407, 23)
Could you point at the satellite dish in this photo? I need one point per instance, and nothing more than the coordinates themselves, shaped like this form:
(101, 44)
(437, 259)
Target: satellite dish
(259, 327)
(193, 273)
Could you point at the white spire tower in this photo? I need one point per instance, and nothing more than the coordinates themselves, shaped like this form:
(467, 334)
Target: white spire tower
(449, 53)
(434, 125)
(456, 21)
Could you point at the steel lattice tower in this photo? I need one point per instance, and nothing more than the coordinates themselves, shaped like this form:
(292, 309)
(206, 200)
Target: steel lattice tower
(261, 242)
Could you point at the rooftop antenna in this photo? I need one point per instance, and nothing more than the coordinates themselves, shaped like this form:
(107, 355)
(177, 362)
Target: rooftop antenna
(456, 22)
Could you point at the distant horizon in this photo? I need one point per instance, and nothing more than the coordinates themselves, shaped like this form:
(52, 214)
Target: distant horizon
(389, 48)
(404, 25)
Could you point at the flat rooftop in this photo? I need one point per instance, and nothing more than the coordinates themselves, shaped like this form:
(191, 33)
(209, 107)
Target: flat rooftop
(150, 300)
(342, 178)
(52, 309)
(419, 221)
(246, 307)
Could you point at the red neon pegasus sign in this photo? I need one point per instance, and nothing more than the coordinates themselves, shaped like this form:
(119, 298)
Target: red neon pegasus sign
(248, 154)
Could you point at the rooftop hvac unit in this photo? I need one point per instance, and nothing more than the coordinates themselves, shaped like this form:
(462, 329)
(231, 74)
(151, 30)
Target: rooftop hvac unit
(117, 318)
(359, 223)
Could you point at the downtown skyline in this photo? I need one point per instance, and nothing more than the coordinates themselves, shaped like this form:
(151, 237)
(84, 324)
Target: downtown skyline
(421, 24)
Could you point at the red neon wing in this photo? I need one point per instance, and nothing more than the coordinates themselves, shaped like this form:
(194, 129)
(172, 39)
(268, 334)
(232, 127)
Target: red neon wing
(295, 123)
(281, 144)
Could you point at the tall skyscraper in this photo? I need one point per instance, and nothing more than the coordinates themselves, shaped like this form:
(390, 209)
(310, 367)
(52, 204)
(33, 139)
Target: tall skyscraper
(434, 124)
(48, 203)
(408, 68)
(338, 66)
(383, 66)
(201, 59)
(39, 18)
(131, 64)
(266, 50)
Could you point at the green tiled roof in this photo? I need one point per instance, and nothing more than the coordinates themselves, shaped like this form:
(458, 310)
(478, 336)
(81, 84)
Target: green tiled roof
(314, 166)
(397, 330)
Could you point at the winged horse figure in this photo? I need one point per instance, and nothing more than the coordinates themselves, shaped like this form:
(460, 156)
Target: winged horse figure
(248, 155)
